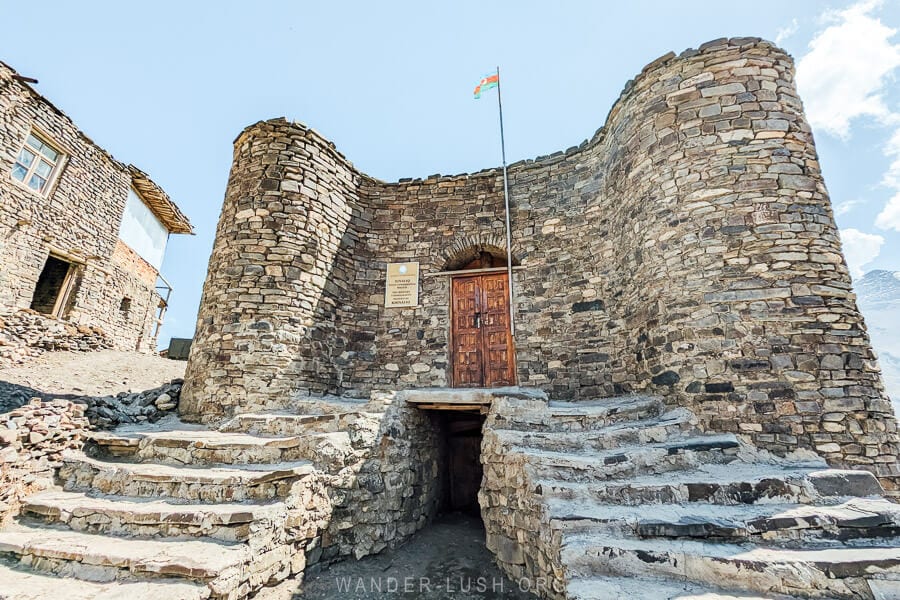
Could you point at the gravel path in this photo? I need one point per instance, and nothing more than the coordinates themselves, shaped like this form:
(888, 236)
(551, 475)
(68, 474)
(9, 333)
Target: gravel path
(101, 373)
(445, 561)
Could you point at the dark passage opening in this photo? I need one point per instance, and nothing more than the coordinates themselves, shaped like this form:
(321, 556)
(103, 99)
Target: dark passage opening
(462, 459)
(51, 294)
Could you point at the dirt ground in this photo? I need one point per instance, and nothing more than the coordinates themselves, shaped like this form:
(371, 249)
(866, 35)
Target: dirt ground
(102, 373)
(445, 561)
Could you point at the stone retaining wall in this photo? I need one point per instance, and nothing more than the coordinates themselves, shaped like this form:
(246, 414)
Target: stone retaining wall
(32, 439)
(687, 249)
(390, 490)
(514, 514)
(25, 334)
(35, 432)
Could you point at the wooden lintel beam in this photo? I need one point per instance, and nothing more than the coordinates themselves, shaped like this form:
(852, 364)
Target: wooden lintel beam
(466, 407)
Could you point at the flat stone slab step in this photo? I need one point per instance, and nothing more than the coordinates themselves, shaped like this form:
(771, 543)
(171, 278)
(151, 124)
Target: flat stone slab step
(282, 423)
(583, 415)
(217, 439)
(696, 443)
(229, 483)
(210, 447)
(330, 405)
(734, 483)
(592, 465)
(815, 573)
(612, 588)
(604, 406)
(24, 584)
(151, 517)
(851, 520)
(115, 444)
(626, 433)
(201, 560)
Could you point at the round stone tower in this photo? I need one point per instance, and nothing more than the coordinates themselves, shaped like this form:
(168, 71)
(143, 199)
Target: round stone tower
(267, 313)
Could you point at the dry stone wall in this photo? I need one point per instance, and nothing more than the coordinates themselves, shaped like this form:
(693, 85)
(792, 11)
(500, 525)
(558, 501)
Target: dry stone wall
(276, 275)
(26, 333)
(688, 248)
(32, 440)
(78, 219)
(391, 490)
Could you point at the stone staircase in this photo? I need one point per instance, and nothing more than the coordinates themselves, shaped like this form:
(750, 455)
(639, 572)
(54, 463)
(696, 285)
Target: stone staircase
(622, 498)
(618, 498)
(178, 511)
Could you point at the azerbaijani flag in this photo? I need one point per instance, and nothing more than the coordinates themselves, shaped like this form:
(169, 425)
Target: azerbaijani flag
(487, 82)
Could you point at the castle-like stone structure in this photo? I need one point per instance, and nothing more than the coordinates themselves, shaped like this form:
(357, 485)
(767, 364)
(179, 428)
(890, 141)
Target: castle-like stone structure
(687, 249)
(680, 299)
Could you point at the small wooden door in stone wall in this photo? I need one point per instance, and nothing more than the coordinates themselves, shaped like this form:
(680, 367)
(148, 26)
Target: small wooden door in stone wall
(482, 346)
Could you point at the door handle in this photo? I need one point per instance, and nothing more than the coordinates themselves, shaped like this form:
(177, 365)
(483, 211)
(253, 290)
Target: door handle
(478, 320)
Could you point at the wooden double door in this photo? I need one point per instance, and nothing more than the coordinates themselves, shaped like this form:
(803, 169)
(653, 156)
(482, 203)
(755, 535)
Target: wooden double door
(481, 342)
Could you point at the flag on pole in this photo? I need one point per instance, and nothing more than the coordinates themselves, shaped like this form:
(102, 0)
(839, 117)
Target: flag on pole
(487, 82)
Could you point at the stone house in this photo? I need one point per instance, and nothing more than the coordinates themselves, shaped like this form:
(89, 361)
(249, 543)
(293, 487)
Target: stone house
(83, 234)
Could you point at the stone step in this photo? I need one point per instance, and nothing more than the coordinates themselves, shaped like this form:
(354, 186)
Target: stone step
(678, 453)
(623, 588)
(150, 517)
(215, 447)
(208, 484)
(585, 415)
(111, 444)
(25, 584)
(674, 423)
(785, 525)
(734, 483)
(282, 423)
(222, 567)
(329, 405)
(179, 446)
(818, 573)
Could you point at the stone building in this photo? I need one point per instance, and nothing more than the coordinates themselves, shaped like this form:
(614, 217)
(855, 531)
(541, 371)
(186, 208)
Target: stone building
(689, 362)
(688, 249)
(83, 235)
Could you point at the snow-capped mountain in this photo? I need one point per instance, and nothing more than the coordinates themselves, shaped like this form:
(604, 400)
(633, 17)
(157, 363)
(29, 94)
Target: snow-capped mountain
(878, 295)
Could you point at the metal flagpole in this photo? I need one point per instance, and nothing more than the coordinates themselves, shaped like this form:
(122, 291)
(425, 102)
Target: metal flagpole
(512, 320)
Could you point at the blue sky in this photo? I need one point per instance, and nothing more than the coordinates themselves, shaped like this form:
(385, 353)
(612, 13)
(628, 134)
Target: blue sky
(168, 85)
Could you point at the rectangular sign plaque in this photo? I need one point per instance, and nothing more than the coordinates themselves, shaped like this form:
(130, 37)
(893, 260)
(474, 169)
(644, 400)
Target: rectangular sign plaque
(402, 285)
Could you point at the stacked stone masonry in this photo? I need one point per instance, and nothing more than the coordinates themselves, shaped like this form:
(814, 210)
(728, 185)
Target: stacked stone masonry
(220, 513)
(32, 441)
(688, 249)
(626, 499)
(25, 334)
(75, 219)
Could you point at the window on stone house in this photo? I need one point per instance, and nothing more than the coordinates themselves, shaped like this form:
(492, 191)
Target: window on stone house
(37, 164)
(125, 306)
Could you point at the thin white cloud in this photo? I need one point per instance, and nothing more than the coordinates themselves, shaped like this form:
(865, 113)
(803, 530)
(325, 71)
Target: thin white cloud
(786, 32)
(860, 249)
(842, 208)
(889, 217)
(842, 77)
